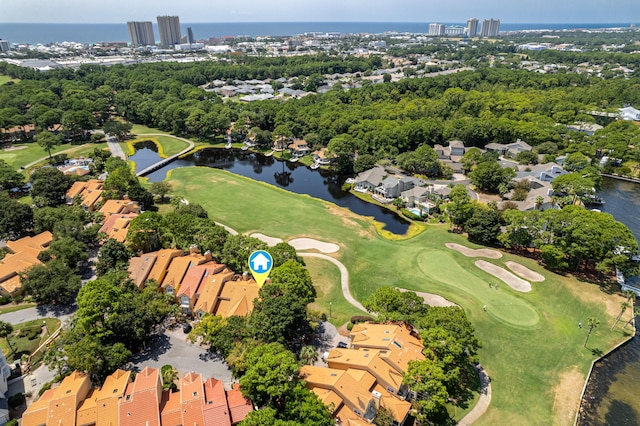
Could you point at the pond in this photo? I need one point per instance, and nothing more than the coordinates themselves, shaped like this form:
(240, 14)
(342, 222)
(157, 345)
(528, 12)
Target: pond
(293, 177)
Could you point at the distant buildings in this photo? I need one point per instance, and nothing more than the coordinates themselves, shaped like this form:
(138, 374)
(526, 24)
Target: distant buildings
(4, 46)
(141, 33)
(189, 36)
(490, 28)
(472, 27)
(169, 29)
(436, 29)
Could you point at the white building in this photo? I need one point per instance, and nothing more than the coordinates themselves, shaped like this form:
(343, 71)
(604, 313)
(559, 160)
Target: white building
(169, 29)
(472, 27)
(490, 28)
(141, 33)
(436, 29)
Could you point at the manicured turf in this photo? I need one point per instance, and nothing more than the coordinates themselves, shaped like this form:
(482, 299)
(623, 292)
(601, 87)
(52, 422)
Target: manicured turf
(530, 340)
(34, 152)
(5, 79)
(325, 276)
(167, 145)
(22, 344)
(13, 308)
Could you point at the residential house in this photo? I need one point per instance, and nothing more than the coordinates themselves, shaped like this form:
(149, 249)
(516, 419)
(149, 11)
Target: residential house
(353, 391)
(164, 258)
(117, 225)
(186, 295)
(109, 397)
(236, 298)
(22, 254)
(141, 402)
(418, 197)
(370, 179)
(89, 192)
(140, 267)
(393, 186)
(322, 157)
(456, 149)
(5, 372)
(299, 148)
(216, 411)
(208, 292)
(511, 149)
(111, 207)
(192, 395)
(239, 406)
(629, 113)
(583, 127)
(538, 197)
(179, 267)
(281, 143)
(58, 406)
(544, 172)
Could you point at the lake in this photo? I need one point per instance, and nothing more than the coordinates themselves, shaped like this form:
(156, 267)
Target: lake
(293, 177)
(612, 393)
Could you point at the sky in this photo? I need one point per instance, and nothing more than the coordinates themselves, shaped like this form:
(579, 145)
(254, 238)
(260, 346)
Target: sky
(508, 11)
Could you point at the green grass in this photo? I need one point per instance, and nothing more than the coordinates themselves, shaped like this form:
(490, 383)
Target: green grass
(167, 145)
(13, 308)
(33, 152)
(22, 344)
(5, 79)
(532, 347)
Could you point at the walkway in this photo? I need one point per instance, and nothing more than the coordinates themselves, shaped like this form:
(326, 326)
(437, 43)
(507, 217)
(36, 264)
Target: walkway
(483, 401)
(168, 160)
(344, 277)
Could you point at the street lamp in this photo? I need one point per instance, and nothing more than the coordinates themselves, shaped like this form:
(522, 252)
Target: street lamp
(329, 310)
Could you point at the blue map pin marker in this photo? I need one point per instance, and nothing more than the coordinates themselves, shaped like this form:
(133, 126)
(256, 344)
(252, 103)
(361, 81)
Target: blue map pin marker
(260, 263)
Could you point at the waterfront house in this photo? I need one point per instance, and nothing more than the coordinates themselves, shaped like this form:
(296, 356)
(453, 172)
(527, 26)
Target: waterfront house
(322, 157)
(370, 179)
(299, 148)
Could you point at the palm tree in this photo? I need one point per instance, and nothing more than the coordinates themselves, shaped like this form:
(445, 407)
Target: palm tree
(623, 307)
(398, 203)
(629, 294)
(308, 355)
(591, 323)
(5, 331)
(636, 312)
(539, 201)
(169, 375)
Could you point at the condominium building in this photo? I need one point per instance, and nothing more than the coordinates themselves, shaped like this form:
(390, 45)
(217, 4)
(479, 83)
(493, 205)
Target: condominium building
(472, 27)
(490, 28)
(436, 29)
(141, 33)
(169, 29)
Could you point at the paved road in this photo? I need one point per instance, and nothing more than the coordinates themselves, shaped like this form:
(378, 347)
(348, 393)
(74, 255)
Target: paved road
(344, 277)
(62, 312)
(116, 149)
(172, 347)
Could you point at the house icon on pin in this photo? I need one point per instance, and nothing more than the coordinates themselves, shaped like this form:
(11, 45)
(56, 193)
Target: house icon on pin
(260, 262)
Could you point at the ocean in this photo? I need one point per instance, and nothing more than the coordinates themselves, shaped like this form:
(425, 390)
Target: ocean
(94, 33)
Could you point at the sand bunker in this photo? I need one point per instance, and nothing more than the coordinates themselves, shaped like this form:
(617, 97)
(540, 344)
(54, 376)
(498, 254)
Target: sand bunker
(271, 241)
(431, 299)
(469, 252)
(524, 272)
(510, 279)
(311, 244)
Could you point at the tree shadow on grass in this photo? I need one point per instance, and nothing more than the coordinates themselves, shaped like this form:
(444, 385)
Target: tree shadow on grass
(596, 352)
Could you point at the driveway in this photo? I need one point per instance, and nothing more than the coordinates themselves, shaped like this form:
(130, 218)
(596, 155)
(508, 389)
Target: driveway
(62, 312)
(172, 347)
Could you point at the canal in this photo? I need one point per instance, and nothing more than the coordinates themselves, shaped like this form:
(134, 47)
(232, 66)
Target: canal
(611, 397)
(293, 177)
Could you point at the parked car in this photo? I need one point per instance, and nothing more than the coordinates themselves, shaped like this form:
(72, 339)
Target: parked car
(342, 345)
(186, 328)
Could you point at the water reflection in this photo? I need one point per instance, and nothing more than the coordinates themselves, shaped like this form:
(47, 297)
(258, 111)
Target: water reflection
(294, 177)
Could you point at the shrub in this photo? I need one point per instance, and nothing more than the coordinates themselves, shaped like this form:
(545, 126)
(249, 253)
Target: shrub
(12, 422)
(360, 318)
(350, 326)
(406, 213)
(347, 187)
(4, 300)
(16, 400)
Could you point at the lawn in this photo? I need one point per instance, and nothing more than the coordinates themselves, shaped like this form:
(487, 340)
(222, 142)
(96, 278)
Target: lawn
(5, 79)
(27, 337)
(13, 308)
(33, 152)
(167, 145)
(532, 347)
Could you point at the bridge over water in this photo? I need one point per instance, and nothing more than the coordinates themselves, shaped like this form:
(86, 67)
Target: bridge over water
(160, 164)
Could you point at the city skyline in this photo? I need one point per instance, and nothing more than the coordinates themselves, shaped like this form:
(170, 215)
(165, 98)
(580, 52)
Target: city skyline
(195, 11)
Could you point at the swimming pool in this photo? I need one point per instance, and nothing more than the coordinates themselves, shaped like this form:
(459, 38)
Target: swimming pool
(415, 211)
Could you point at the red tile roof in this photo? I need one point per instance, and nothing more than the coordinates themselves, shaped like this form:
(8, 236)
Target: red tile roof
(240, 406)
(216, 412)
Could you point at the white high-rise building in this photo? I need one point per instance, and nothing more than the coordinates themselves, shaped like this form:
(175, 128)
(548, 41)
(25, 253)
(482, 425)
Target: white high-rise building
(141, 33)
(472, 27)
(490, 28)
(436, 29)
(169, 29)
